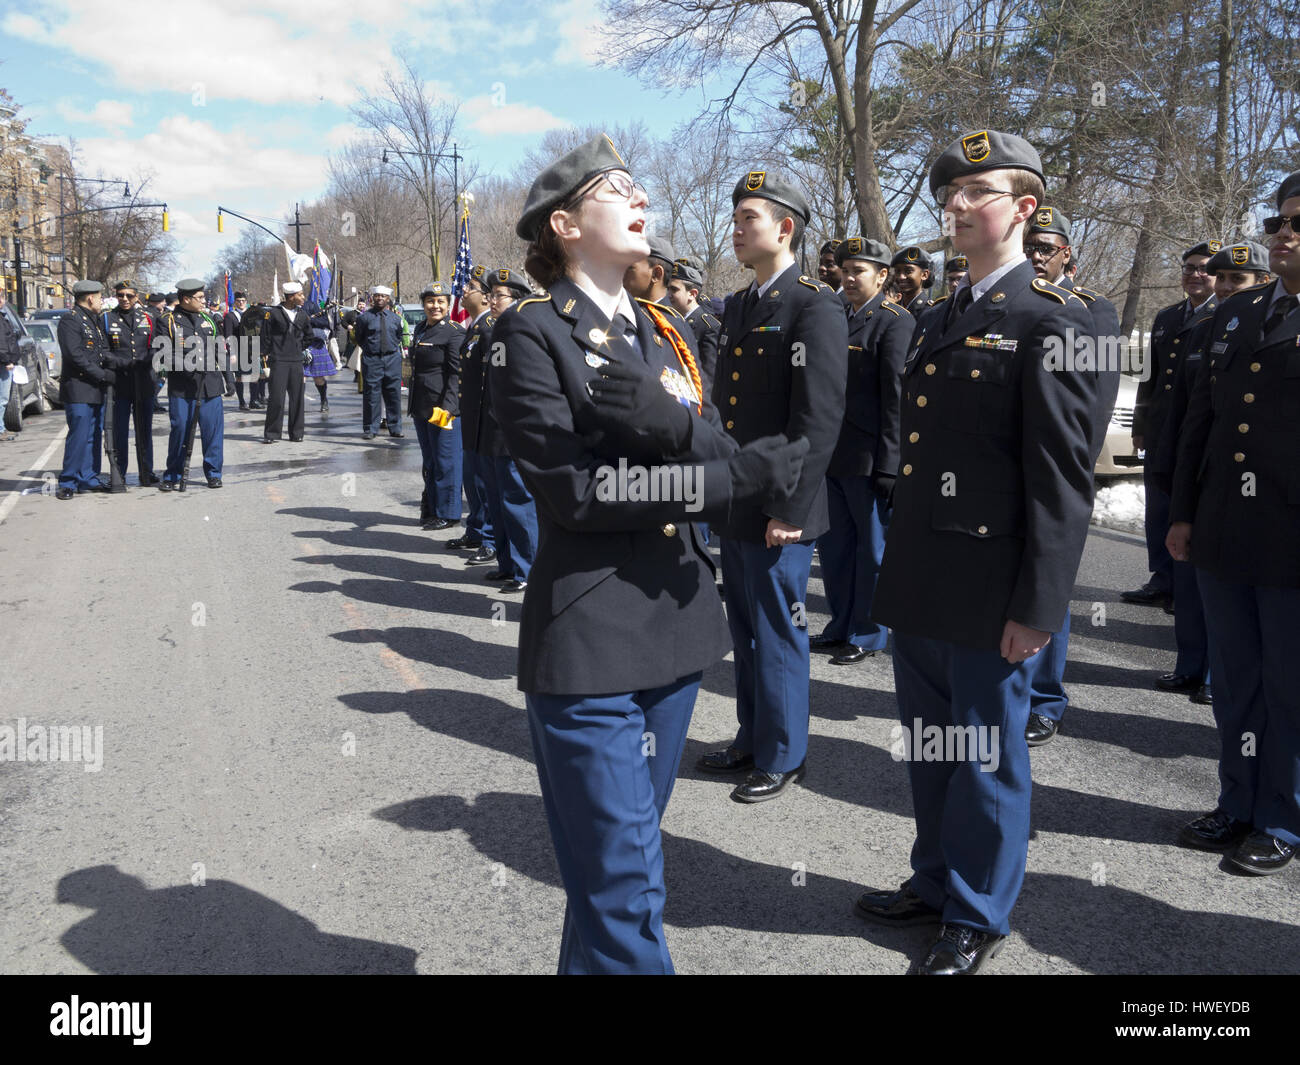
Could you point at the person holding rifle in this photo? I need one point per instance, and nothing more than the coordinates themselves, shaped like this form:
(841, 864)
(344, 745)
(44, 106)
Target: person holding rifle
(88, 369)
(194, 385)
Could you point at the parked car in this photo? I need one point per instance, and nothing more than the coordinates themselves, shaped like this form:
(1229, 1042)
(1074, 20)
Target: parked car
(55, 313)
(41, 392)
(45, 333)
(1118, 455)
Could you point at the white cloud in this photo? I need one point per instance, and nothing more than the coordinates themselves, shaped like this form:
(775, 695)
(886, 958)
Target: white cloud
(581, 32)
(111, 115)
(483, 115)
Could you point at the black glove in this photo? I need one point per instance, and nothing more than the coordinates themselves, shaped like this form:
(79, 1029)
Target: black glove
(767, 468)
(632, 405)
(883, 483)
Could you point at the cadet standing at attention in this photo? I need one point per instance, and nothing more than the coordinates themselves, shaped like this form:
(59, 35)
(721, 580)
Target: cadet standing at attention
(911, 278)
(860, 477)
(88, 367)
(478, 538)
(378, 333)
(684, 286)
(620, 617)
(1236, 518)
(130, 334)
(991, 512)
(782, 369)
(435, 387)
(1048, 249)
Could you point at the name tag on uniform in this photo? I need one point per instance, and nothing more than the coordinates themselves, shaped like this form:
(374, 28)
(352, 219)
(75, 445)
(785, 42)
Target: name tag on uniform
(992, 342)
(1218, 347)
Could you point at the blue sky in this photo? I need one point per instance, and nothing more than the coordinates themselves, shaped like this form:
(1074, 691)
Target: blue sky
(238, 104)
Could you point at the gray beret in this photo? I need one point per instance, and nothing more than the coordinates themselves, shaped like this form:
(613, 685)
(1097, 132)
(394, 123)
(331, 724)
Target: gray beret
(516, 282)
(187, 285)
(911, 256)
(660, 249)
(436, 288)
(770, 187)
(957, 262)
(562, 179)
(829, 246)
(1206, 247)
(86, 288)
(984, 150)
(1243, 256)
(1290, 187)
(1049, 220)
(869, 251)
(685, 270)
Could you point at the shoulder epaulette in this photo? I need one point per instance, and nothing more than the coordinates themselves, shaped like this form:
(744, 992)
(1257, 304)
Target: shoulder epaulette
(710, 321)
(1046, 288)
(531, 299)
(937, 300)
(741, 291)
(667, 308)
(267, 314)
(1086, 294)
(813, 284)
(887, 306)
(1252, 288)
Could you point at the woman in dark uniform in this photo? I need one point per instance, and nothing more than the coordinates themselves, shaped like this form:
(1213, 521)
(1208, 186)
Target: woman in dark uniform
(600, 401)
(435, 386)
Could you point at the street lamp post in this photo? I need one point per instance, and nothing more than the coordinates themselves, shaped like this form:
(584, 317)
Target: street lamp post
(455, 157)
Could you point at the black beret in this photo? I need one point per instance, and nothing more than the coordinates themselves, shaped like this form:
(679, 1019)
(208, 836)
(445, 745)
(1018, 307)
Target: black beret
(1243, 256)
(170, 297)
(155, 297)
(868, 251)
(562, 179)
(911, 256)
(984, 150)
(517, 283)
(685, 270)
(660, 249)
(957, 262)
(769, 187)
(1206, 247)
(1049, 220)
(86, 288)
(436, 288)
(1290, 187)
(829, 246)
(124, 284)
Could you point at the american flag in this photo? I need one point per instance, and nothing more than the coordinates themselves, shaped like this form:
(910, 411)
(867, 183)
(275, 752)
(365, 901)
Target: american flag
(464, 264)
(230, 292)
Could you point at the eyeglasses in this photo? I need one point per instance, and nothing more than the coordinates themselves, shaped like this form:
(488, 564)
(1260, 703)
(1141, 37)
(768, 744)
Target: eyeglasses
(1043, 251)
(1191, 271)
(1276, 222)
(976, 196)
(501, 296)
(126, 295)
(613, 186)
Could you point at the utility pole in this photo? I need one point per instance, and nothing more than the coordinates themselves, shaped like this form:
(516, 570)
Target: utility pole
(297, 224)
(455, 157)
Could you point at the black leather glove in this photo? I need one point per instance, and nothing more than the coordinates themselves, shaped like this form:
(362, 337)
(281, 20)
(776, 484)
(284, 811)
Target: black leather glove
(883, 484)
(631, 404)
(767, 468)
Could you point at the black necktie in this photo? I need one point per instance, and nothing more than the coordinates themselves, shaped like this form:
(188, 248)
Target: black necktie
(1280, 310)
(622, 327)
(961, 303)
(751, 301)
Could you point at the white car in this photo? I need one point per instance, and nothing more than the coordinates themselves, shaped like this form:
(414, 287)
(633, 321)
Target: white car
(1118, 455)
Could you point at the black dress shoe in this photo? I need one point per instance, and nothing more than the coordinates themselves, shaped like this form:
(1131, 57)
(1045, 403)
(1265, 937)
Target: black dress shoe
(1262, 854)
(1203, 695)
(761, 785)
(438, 524)
(826, 643)
(514, 586)
(397, 435)
(63, 492)
(243, 406)
(270, 440)
(1147, 596)
(295, 439)
(98, 487)
(1215, 831)
(959, 951)
(484, 556)
(855, 654)
(367, 436)
(214, 482)
(148, 480)
(465, 542)
(167, 486)
(727, 760)
(901, 909)
(1040, 730)
(497, 575)
(1177, 682)
(324, 407)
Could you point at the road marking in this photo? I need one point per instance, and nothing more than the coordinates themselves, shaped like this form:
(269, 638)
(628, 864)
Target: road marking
(12, 500)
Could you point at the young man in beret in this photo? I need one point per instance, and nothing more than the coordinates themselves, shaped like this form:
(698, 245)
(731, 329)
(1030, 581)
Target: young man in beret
(991, 512)
(1169, 335)
(684, 284)
(648, 279)
(781, 369)
(953, 271)
(1235, 518)
(828, 270)
(1049, 250)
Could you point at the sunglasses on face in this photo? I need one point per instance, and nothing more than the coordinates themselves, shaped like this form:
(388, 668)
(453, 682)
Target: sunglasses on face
(1046, 251)
(1276, 222)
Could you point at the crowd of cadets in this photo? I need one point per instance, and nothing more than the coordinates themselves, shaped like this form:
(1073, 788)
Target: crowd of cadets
(901, 390)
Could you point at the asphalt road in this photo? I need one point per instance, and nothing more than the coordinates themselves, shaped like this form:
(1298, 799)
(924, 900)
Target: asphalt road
(315, 759)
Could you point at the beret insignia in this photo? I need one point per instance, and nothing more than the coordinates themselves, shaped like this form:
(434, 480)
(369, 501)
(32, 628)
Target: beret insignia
(754, 180)
(1240, 255)
(976, 146)
(1044, 216)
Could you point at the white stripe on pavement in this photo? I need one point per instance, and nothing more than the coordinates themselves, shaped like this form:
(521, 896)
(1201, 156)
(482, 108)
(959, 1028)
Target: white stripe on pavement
(12, 499)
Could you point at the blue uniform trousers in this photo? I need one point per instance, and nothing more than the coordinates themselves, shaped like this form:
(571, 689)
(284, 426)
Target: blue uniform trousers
(607, 764)
(440, 455)
(211, 430)
(84, 447)
(850, 554)
(1047, 675)
(1189, 625)
(1159, 560)
(972, 826)
(514, 516)
(766, 590)
(478, 522)
(381, 377)
(1255, 653)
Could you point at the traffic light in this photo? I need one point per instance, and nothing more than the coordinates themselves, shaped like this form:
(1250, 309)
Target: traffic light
(221, 223)
(167, 225)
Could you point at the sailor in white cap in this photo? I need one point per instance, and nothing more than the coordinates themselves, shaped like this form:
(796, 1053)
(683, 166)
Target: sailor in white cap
(285, 330)
(378, 333)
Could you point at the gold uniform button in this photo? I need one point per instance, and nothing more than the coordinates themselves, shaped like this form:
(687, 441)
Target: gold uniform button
(760, 351)
(1170, 370)
(920, 401)
(1168, 387)
(731, 425)
(1175, 341)
(1243, 428)
(1255, 367)
(736, 351)
(914, 437)
(974, 373)
(983, 530)
(1173, 354)
(735, 375)
(930, 367)
(731, 400)
(1249, 397)
(670, 529)
(1239, 457)
(907, 470)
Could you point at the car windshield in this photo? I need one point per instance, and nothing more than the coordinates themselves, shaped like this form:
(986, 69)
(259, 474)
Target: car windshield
(40, 331)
